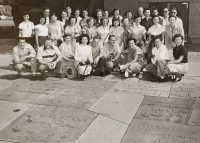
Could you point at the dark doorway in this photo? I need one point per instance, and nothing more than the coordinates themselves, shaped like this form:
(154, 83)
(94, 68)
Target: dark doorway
(183, 12)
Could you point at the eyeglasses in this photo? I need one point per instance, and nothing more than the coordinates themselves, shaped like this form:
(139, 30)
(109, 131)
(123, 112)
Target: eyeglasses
(165, 11)
(173, 12)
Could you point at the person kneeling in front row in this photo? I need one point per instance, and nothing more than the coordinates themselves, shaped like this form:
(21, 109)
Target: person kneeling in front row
(112, 53)
(24, 57)
(159, 56)
(83, 57)
(134, 58)
(48, 57)
(179, 66)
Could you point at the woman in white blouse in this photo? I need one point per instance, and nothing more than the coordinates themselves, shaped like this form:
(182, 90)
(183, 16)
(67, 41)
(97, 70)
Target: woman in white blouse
(155, 30)
(83, 56)
(41, 32)
(26, 29)
(104, 30)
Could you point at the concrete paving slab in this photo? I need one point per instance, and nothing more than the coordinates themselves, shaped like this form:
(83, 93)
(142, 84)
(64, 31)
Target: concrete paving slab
(193, 53)
(121, 107)
(103, 130)
(23, 93)
(142, 89)
(4, 84)
(48, 124)
(165, 110)
(195, 116)
(10, 111)
(158, 132)
(193, 64)
(186, 91)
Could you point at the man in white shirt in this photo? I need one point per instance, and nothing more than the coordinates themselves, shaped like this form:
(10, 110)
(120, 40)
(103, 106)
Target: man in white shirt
(46, 13)
(48, 57)
(159, 53)
(24, 57)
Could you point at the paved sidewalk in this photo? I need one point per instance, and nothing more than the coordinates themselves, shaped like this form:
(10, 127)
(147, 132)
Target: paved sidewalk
(99, 110)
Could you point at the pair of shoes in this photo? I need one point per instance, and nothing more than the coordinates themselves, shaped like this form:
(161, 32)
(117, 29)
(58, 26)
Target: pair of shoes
(176, 77)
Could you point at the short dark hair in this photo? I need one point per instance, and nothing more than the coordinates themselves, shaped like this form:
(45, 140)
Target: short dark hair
(103, 19)
(77, 9)
(115, 19)
(64, 10)
(67, 35)
(174, 8)
(48, 38)
(110, 36)
(137, 16)
(131, 39)
(116, 9)
(157, 37)
(84, 35)
(72, 17)
(155, 9)
(21, 38)
(96, 37)
(26, 13)
(147, 9)
(46, 8)
(177, 36)
(125, 17)
(53, 14)
(85, 9)
(42, 16)
(155, 16)
(128, 12)
(172, 16)
(99, 10)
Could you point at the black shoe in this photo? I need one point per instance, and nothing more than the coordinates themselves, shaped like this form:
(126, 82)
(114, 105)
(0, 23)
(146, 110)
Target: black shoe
(59, 75)
(19, 76)
(81, 77)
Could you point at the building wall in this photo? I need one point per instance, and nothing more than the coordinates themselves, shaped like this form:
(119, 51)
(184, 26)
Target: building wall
(123, 5)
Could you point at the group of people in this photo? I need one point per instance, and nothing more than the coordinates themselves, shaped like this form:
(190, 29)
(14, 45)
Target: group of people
(80, 45)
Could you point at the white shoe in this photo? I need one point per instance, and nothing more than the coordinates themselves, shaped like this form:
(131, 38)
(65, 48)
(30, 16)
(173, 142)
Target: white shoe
(140, 75)
(121, 67)
(126, 74)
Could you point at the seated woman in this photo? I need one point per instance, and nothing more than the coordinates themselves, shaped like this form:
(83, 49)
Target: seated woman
(67, 61)
(134, 58)
(160, 54)
(179, 66)
(83, 56)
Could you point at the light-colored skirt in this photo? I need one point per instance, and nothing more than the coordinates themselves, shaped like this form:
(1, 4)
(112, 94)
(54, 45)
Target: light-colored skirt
(83, 70)
(181, 68)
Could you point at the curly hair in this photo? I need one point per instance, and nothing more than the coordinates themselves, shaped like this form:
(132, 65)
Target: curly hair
(82, 36)
(177, 36)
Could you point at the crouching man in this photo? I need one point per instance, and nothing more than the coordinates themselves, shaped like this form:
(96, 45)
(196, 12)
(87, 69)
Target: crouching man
(111, 53)
(48, 57)
(24, 58)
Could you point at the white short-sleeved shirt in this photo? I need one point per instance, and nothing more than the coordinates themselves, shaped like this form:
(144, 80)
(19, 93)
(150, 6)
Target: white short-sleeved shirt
(42, 30)
(160, 53)
(137, 31)
(83, 53)
(156, 30)
(27, 28)
(48, 55)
